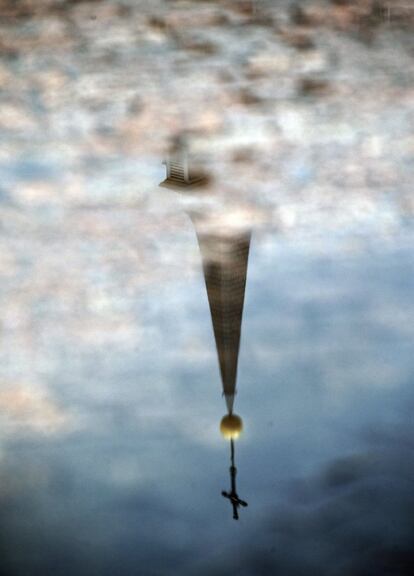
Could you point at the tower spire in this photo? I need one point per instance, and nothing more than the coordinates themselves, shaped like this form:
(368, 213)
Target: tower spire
(225, 258)
(225, 261)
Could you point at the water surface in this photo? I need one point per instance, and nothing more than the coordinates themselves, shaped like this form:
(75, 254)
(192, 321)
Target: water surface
(206, 211)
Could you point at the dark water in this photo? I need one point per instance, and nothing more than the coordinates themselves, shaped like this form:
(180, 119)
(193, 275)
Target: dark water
(206, 365)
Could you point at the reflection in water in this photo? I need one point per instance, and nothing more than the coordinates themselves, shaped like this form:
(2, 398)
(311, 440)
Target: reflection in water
(236, 502)
(225, 258)
(180, 171)
(106, 462)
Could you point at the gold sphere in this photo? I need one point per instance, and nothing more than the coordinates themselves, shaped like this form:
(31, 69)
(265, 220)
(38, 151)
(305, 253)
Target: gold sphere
(231, 426)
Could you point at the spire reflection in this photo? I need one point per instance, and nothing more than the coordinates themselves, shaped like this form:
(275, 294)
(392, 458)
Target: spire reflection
(225, 255)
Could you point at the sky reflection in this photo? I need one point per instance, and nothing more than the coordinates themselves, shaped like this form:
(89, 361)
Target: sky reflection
(275, 261)
(325, 393)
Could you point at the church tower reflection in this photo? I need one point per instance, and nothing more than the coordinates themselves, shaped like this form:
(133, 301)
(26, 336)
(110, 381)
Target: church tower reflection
(225, 258)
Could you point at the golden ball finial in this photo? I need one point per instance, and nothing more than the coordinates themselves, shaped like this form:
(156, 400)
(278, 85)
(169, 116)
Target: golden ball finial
(231, 426)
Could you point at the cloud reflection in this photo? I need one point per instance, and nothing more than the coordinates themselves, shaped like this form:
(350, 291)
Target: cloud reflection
(24, 408)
